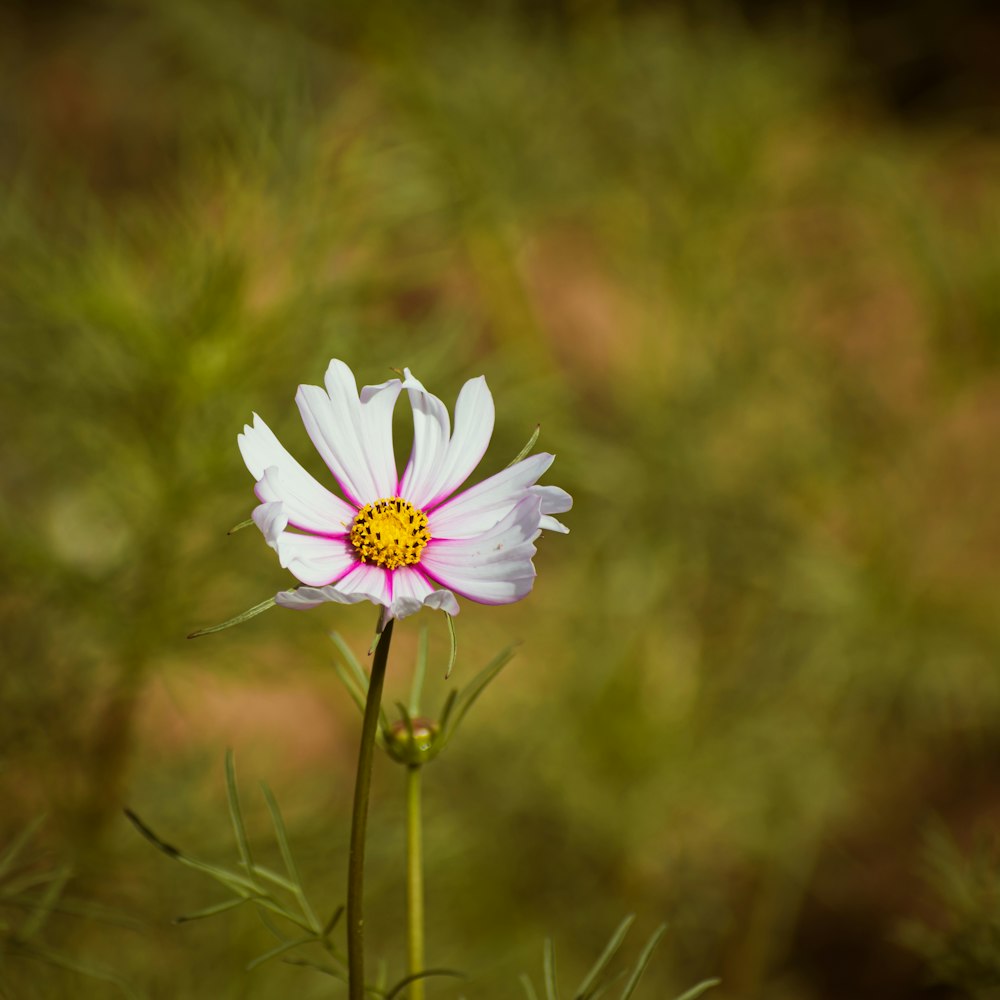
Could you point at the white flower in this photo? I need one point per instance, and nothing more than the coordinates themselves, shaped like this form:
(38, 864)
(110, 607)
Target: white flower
(402, 543)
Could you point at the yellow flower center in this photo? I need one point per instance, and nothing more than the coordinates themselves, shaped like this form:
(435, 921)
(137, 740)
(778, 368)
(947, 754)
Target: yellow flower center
(390, 532)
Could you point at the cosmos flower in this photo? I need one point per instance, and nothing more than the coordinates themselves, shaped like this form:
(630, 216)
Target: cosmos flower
(402, 543)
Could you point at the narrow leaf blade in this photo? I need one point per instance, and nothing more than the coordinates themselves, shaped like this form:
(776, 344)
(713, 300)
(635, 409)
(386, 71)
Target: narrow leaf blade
(453, 640)
(288, 858)
(419, 672)
(586, 988)
(242, 886)
(350, 661)
(257, 609)
(647, 954)
(479, 683)
(18, 844)
(696, 991)
(523, 453)
(324, 967)
(210, 911)
(329, 926)
(426, 974)
(549, 970)
(277, 950)
(43, 908)
(235, 813)
(83, 968)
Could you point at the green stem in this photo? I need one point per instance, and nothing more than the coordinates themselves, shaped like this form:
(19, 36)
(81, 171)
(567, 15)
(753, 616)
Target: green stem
(414, 880)
(359, 822)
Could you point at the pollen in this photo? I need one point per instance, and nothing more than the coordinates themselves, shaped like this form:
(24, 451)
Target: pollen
(390, 532)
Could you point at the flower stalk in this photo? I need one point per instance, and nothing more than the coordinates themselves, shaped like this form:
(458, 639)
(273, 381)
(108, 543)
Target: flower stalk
(359, 820)
(414, 879)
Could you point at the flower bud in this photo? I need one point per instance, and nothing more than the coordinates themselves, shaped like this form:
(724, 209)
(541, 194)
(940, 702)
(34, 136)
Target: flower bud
(412, 741)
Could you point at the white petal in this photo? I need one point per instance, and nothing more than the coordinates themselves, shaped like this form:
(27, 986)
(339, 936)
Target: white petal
(551, 524)
(377, 404)
(439, 464)
(554, 501)
(315, 560)
(412, 595)
(411, 591)
(308, 505)
(442, 600)
(371, 581)
(353, 436)
(474, 419)
(494, 567)
(408, 581)
(431, 433)
(362, 583)
(481, 506)
(304, 598)
(271, 519)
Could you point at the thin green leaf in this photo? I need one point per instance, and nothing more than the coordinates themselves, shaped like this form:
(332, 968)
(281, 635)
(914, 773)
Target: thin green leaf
(549, 970)
(239, 527)
(360, 677)
(75, 965)
(286, 855)
(18, 844)
(381, 979)
(261, 907)
(43, 908)
(523, 453)
(346, 678)
(311, 963)
(529, 989)
(478, 684)
(281, 833)
(419, 672)
(160, 845)
(269, 903)
(453, 650)
(235, 813)
(257, 609)
(351, 661)
(329, 926)
(239, 884)
(17, 886)
(607, 984)
(244, 887)
(696, 991)
(210, 911)
(647, 954)
(407, 721)
(449, 705)
(274, 877)
(427, 973)
(586, 988)
(268, 923)
(278, 950)
(94, 911)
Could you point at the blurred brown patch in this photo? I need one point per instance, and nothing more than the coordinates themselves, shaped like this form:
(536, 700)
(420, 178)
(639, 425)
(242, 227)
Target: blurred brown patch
(281, 722)
(592, 325)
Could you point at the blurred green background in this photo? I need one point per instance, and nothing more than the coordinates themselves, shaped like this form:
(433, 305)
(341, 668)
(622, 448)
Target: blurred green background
(744, 271)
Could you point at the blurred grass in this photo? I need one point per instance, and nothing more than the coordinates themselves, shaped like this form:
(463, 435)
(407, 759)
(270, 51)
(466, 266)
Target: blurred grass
(758, 324)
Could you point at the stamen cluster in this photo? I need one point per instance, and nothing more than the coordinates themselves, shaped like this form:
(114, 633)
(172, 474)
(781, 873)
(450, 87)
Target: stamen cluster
(390, 532)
